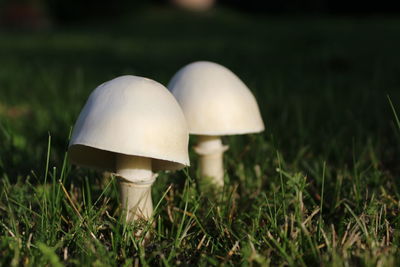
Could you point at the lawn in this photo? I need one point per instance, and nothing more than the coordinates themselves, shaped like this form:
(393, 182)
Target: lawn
(319, 187)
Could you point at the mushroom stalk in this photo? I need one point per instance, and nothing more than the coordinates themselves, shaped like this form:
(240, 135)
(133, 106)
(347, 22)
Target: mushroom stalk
(136, 179)
(211, 150)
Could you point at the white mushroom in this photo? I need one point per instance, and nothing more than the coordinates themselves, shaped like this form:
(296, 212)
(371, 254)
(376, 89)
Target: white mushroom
(131, 126)
(215, 103)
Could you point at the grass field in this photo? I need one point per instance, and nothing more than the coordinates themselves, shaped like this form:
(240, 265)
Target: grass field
(319, 187)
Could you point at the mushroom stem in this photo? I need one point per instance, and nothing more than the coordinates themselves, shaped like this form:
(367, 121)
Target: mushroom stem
(211, 150)
(136, 200)
(136, 179)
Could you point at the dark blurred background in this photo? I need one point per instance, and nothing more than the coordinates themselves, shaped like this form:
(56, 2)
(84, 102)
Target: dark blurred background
(37, 14)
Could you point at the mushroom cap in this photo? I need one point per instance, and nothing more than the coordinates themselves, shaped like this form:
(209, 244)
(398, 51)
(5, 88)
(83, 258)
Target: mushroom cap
(133, 116)
(215, 101)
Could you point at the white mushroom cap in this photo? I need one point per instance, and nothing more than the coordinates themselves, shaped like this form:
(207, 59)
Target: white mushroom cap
(215, 101)
(133, 116)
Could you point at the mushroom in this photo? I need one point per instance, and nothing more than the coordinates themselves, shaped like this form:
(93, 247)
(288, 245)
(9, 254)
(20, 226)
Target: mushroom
(215, 103)
(131, 126)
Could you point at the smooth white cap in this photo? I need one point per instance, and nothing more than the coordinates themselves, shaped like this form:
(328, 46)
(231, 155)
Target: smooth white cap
(215, 101)
(133, 116)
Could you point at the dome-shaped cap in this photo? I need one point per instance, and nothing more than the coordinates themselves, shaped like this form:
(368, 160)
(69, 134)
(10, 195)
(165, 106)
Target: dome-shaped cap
(215, 101)
(133, 116)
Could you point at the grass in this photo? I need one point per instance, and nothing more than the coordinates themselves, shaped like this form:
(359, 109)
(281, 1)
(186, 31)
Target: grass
(319, 187)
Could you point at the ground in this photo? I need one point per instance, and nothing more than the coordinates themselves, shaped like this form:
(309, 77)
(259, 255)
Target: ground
(319, 187)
